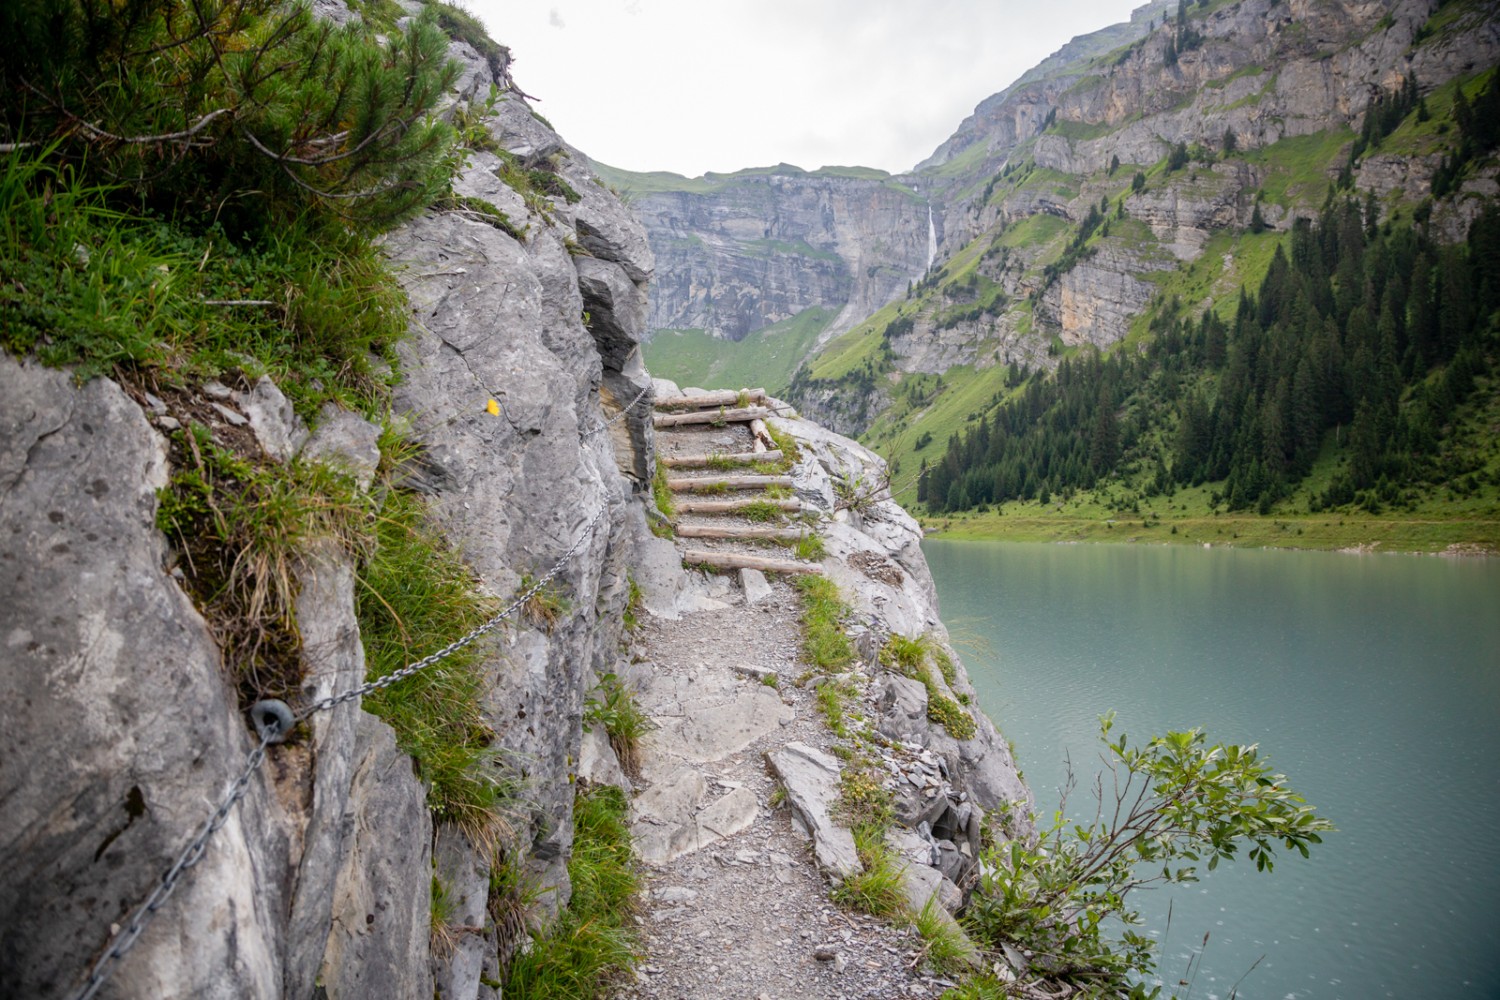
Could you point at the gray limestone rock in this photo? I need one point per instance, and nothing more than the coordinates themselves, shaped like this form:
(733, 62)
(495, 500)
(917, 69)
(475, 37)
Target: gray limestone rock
(118, 735)
(275, 423)
(920, 883)
(346, 441)
(464, 874)
(753, 583)
(902, 703)
(382, 899)
(811, 779)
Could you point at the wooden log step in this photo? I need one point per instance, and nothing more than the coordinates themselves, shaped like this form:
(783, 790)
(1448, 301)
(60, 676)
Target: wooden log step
(734, 560)
(762, 435)
(713, 484)
(735, 506)
(721, 397)
(741, 531)
(738, 415)
(705, 461)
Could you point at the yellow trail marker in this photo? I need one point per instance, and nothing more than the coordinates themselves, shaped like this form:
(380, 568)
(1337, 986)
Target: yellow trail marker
(493, 409)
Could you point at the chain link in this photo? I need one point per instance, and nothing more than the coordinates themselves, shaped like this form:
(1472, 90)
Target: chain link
(124, 938)
(626, 409)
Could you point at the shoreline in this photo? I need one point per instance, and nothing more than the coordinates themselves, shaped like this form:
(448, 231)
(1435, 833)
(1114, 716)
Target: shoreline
(1346, 535)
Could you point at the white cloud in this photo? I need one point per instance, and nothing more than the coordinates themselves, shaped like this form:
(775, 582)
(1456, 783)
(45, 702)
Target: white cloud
(695, 85)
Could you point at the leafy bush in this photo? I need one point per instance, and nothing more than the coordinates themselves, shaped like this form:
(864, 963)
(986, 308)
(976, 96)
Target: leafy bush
(1170, 803)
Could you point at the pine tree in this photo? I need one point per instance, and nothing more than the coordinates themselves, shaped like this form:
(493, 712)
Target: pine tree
(197, 105)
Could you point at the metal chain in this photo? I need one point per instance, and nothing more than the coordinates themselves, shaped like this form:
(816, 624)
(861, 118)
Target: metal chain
(333, 701)
(125, 937)
(626, 409)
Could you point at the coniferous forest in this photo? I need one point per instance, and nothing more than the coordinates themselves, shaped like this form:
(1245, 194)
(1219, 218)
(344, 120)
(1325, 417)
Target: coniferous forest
(1369, 335)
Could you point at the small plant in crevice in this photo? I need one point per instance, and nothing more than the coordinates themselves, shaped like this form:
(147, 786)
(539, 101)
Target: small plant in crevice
(594, 943)
(824, 643)
(914, 657)
(761, 511)
(634, 604)
(240, 528)
(945, 950)
(810, 547)
(440, 914)
(616, 711)
(414, 596)
(546, 607)
(666, 507)
(866, 808)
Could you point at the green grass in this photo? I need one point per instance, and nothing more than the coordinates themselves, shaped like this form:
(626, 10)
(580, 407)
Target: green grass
(414, 596)
(1299, 169)
(765, 358)
(1081, 131)
(916, 658)
(824, 643)
(661, 495)
(946, 950)
(621, 717)
(93, 282)
(594, 944)
(809, 547)
(866, 808)
(241, 527)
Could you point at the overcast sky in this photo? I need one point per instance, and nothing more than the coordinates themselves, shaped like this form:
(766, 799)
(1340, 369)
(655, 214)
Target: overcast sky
(696, 85)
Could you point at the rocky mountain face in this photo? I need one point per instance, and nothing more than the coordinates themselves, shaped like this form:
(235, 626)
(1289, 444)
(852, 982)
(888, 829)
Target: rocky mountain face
(739, 252)
(1237, 117)
(525, 398)
(123, 731)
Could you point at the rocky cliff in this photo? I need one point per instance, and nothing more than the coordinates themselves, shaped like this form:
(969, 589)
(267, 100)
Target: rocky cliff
(122, 727)
(1137, 165)
(322, 865)
(739, 252)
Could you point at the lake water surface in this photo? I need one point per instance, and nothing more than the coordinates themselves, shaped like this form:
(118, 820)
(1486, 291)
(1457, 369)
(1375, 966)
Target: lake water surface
(1372, 682)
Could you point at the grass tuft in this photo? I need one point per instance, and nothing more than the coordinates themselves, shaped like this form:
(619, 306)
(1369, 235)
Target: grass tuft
(416, 596)
(824, 643)
(594, 943)
(622, 719)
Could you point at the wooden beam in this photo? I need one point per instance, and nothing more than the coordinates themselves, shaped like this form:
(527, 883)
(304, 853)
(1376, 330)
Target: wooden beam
(734, 560)
(741, 531)
(705, 461)
(723, 397)
(713, 484)
(762, 435)
(733, 416)
(734, 506)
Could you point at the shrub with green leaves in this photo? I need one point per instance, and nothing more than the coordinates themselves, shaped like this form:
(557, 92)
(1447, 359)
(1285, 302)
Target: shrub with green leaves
(1163, 807)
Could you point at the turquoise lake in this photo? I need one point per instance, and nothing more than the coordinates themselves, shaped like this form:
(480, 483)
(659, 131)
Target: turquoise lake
(1372, 682)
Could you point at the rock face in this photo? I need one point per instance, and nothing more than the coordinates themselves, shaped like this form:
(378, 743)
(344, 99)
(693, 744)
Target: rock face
(121, 729)
(1018, 180)
(739, 252)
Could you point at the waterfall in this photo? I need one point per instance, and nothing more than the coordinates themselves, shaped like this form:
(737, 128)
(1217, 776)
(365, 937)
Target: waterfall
(931, 239)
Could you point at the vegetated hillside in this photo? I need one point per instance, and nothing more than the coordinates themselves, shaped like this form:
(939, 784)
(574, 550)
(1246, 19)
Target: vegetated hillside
(1153, 186)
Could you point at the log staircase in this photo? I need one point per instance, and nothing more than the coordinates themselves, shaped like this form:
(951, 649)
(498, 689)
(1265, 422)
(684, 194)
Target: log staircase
(734, 505)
